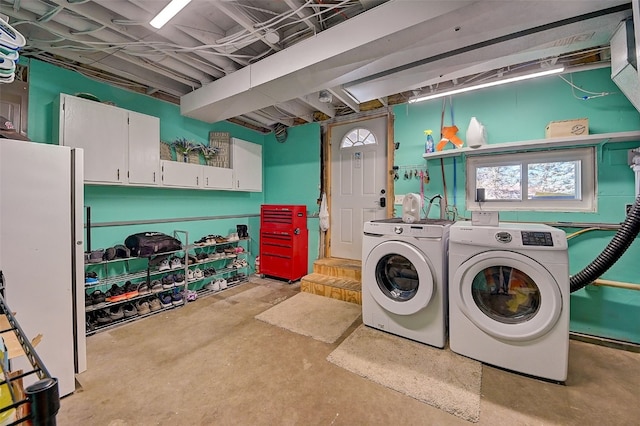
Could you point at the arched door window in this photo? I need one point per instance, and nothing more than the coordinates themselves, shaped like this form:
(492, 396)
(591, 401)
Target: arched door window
(358, 137)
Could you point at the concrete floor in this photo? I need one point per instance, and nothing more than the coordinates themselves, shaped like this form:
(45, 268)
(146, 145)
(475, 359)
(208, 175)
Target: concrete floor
(211, 362)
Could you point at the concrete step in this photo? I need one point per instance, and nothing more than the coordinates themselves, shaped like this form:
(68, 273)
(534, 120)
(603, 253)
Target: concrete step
(339, 268)
(341, 288)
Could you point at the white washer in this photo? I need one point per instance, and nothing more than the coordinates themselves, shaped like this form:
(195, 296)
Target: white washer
(509, 297)
(404, 269)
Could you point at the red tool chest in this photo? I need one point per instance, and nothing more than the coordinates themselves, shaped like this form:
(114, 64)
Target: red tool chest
(283, 241)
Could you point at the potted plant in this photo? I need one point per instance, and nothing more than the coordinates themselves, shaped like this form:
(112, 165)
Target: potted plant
(183, 147)
(209, 152)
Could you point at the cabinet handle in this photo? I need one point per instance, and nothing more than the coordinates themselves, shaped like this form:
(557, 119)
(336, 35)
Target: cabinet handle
(154, 176)
(118, 171)
(207, 181)
(197, 180)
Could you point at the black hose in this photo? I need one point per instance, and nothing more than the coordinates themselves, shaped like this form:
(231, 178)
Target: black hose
(614, 250)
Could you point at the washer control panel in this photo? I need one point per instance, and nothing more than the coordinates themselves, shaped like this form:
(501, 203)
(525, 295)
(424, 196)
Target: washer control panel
(533, 238)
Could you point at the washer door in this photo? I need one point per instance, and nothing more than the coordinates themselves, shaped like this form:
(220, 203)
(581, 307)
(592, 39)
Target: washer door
(507, 295)
(399, 277)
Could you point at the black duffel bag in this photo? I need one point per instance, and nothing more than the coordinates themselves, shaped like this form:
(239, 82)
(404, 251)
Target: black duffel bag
(146, 244)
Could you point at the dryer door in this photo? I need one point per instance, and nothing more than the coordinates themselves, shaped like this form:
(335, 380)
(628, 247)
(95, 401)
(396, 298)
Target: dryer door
(399, 277)
(507, 295)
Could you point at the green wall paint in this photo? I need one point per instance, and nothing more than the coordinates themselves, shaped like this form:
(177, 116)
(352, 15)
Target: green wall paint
(519, 112)
(292, 176)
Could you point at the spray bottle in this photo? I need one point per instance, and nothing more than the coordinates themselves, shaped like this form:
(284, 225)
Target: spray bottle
(429, 145)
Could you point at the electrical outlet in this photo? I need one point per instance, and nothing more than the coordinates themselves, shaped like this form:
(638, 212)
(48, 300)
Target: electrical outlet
(399, 199)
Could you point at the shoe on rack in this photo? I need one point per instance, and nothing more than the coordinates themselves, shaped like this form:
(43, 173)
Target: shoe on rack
(103, 317)
(109, 254)
(143, 288)
(122, 252)
(233, 237)
(178, 279)
(243, 231)
(201, 257)
(129, 310)
(177, 299)
(214, 285)
(142, 306)
(165, 300)
(130, 290)
(191, 260)
(98, 299)
(91, 321)
(156, 286)
(168, 281)
(154, 304)
(191, 295)
(88, 302)
(176, 263)
(197, 274)
(190, 276)
(91, 278)
(96, 256)
(115, 312)
(115, 294)
(223, 283)
(164, 265)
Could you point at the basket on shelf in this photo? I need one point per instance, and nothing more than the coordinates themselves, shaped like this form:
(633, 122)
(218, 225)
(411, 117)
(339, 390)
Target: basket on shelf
(194, 156)
(165, 151)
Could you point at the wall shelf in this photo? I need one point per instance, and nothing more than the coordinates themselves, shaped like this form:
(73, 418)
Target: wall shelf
(538, 144)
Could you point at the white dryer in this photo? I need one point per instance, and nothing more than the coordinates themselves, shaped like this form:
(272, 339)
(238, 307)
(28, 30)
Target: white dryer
(509, 297)
(404, 278)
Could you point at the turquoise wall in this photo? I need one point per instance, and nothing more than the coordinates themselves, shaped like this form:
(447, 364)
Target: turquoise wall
(519, 112)
(292, 171)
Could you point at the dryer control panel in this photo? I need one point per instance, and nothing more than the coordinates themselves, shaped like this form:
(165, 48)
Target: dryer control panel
(530, 238)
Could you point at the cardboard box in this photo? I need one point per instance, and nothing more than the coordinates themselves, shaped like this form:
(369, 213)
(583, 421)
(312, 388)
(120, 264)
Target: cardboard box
(577, 127)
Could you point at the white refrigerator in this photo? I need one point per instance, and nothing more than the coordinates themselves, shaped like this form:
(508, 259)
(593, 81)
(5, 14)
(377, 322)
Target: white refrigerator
(41, 252)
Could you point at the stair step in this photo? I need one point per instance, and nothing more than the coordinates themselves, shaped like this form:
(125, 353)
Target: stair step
(341, 288)
(340, 268)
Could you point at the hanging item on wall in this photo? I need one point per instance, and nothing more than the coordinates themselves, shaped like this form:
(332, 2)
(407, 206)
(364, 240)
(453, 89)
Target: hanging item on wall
(324, 213)
(220, 141)
(449, 135)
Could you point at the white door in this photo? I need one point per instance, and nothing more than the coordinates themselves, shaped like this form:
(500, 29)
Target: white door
(358, 182)
(507, 295)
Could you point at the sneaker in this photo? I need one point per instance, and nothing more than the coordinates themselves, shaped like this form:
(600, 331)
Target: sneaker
(176, 263)
(130, 290)
(197, 274)
(223, 283)
(103, 317)
(177, 299)
(115, 312)
(122, 252)
(165, 300)
(91, 321)
(96, 256)
(164, 265)
(142, 306)
(98, 298)
(179, 279)
(88, 302)
(214, 285)
(168, 282)
(129, 310)
(192, 295)
(115, 294)
(143, 288)
(109, 254)
(156, 286)
(154, 304)
(233, 237)
(201, 257)
(190, 276)
(91, 278)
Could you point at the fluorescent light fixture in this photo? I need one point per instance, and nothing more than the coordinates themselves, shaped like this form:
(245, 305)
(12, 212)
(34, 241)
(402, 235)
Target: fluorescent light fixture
(489, 84)
(168, 12)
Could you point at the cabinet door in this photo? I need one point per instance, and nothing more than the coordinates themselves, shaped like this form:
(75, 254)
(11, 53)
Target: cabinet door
(144, 149)
(182, 175)
(101, 130)
(217, 177)
(247, 166)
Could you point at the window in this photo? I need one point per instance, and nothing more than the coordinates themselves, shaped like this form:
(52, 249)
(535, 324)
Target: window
(358, 136)
(562, 180)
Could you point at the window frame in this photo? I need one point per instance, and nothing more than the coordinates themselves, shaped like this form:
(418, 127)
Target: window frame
(586, 186)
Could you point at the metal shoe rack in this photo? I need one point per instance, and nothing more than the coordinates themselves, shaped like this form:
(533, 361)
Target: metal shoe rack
(134, 273)
(41, 400)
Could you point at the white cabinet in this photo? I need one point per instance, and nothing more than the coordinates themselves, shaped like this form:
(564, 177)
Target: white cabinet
(181, 175)
(217, 177)
(102, 131)
(246, 158)
(120, 146)
(144, 149)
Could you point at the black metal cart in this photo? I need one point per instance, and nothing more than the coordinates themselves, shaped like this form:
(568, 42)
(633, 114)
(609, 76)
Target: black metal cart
(41, 397)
